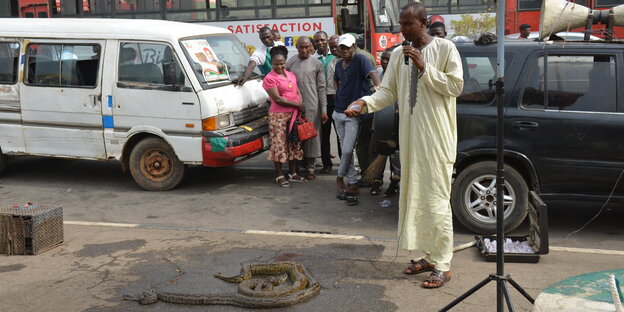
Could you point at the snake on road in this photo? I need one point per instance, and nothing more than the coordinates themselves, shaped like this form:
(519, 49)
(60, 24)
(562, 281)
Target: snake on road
(252, 292)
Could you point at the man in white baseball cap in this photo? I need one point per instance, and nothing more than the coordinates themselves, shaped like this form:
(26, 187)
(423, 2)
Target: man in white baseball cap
(346, 40)
(351, 76)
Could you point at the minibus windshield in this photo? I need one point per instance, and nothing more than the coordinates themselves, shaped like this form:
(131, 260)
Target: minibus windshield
(217, 58)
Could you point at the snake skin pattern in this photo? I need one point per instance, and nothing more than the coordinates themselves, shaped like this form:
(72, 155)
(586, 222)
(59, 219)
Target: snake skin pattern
(252, 293)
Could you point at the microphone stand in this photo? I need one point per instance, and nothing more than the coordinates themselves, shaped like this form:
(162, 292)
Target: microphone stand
(500, 277)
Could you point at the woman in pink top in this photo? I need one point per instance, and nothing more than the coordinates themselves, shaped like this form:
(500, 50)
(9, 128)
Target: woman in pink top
(281, 86)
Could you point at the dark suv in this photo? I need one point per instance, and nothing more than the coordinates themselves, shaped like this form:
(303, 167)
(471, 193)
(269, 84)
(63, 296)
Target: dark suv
(564, 127)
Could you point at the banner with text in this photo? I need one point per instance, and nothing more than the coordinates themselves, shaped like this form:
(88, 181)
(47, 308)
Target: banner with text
(289, 29)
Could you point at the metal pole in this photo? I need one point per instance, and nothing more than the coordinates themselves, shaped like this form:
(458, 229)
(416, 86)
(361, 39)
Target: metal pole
(500, 165)
(500, 34)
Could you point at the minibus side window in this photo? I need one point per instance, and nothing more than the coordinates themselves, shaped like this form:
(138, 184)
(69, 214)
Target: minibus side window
(9, 56)
(62, 65)
(144, 63)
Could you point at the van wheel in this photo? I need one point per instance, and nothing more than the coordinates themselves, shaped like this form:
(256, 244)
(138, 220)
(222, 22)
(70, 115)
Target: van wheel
(473, 198)
(154, 166)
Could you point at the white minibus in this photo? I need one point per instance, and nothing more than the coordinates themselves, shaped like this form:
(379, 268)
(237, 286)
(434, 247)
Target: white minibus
(155, 95)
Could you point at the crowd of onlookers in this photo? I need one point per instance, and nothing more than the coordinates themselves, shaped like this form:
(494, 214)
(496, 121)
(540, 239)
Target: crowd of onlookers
(318, 83)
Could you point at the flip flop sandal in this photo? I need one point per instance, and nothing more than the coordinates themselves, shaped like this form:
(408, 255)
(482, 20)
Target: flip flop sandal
(352, 200)
(437, 279)
(419, 266)
(311, 174)
(296, 178)
(284, 183)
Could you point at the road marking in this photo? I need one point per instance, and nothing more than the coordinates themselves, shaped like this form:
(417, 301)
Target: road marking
(588, 250)
(123, 225)
(300, 234)
(312, 235)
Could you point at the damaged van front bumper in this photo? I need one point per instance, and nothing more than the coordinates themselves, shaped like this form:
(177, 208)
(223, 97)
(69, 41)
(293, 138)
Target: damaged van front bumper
(236, 144)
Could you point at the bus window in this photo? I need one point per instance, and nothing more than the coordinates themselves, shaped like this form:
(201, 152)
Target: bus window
(603, 3)
(458, 6)
(9, 55)
(143, 63)
(529, 4)
(192, 10)
(242, 9)
(62, 65)
(138, 9)
(298, 8)
(385, 15)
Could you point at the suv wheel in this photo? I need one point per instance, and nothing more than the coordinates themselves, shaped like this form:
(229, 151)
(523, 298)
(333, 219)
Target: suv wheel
(473, 198)
(155, 166)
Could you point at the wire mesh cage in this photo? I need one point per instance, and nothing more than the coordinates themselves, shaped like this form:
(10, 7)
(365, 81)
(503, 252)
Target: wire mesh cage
(30, 229)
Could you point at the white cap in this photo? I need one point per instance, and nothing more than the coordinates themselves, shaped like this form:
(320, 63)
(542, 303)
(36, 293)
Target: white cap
(346, 40)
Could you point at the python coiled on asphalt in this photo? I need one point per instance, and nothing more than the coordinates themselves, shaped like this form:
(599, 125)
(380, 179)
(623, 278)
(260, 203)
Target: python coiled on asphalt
(252, 293)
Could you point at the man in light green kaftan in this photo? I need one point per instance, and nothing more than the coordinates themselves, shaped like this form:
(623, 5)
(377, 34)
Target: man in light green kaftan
(427, 138)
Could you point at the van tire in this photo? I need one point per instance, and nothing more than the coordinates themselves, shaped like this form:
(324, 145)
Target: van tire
(155, 166)
(482, 174)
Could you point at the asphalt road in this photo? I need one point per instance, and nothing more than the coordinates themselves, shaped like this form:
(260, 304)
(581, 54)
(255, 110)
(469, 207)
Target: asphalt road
(245, 197)
(212, 209)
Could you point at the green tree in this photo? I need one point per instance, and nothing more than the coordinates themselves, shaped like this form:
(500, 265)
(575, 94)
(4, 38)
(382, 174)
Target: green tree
(470, 25)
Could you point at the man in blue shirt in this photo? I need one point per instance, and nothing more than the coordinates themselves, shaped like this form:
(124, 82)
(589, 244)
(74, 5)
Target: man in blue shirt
(351, 76)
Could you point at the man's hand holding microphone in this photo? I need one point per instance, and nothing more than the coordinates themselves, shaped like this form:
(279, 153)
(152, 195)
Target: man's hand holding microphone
(410, 52)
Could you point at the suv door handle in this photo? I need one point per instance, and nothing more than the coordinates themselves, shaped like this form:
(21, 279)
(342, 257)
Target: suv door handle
(524, 124)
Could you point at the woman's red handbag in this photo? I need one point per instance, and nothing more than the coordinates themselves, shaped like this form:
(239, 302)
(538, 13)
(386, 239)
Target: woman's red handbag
(305, 129)
(300, 129)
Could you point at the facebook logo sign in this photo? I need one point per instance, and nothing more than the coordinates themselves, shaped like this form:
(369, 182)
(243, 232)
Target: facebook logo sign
(289, 41)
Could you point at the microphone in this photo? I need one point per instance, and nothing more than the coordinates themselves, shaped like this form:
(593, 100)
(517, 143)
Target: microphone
(406, 43)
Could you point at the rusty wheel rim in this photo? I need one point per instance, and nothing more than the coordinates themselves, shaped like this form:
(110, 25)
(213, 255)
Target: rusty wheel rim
(156, 165)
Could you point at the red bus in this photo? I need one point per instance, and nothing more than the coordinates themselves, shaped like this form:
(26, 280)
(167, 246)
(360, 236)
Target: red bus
(518, 12)
(376, 22)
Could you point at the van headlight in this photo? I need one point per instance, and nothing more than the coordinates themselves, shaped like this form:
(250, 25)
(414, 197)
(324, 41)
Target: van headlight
(216, 122)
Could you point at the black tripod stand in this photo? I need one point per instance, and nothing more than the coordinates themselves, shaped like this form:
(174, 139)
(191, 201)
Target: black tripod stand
(500, 277)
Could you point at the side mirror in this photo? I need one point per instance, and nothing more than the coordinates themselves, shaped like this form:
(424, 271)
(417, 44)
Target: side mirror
(169, 73)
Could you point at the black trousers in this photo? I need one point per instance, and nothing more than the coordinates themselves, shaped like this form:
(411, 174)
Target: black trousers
(326, 134)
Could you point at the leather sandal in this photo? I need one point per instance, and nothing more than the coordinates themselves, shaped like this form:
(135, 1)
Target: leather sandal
(284, 182)
(296, 178)
(419, 266)
(437, 279)
(311, 174)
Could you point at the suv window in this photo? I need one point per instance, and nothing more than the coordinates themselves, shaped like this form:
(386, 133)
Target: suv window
(63, 65)
(572, 83)
(478, 72)
(9, 54)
